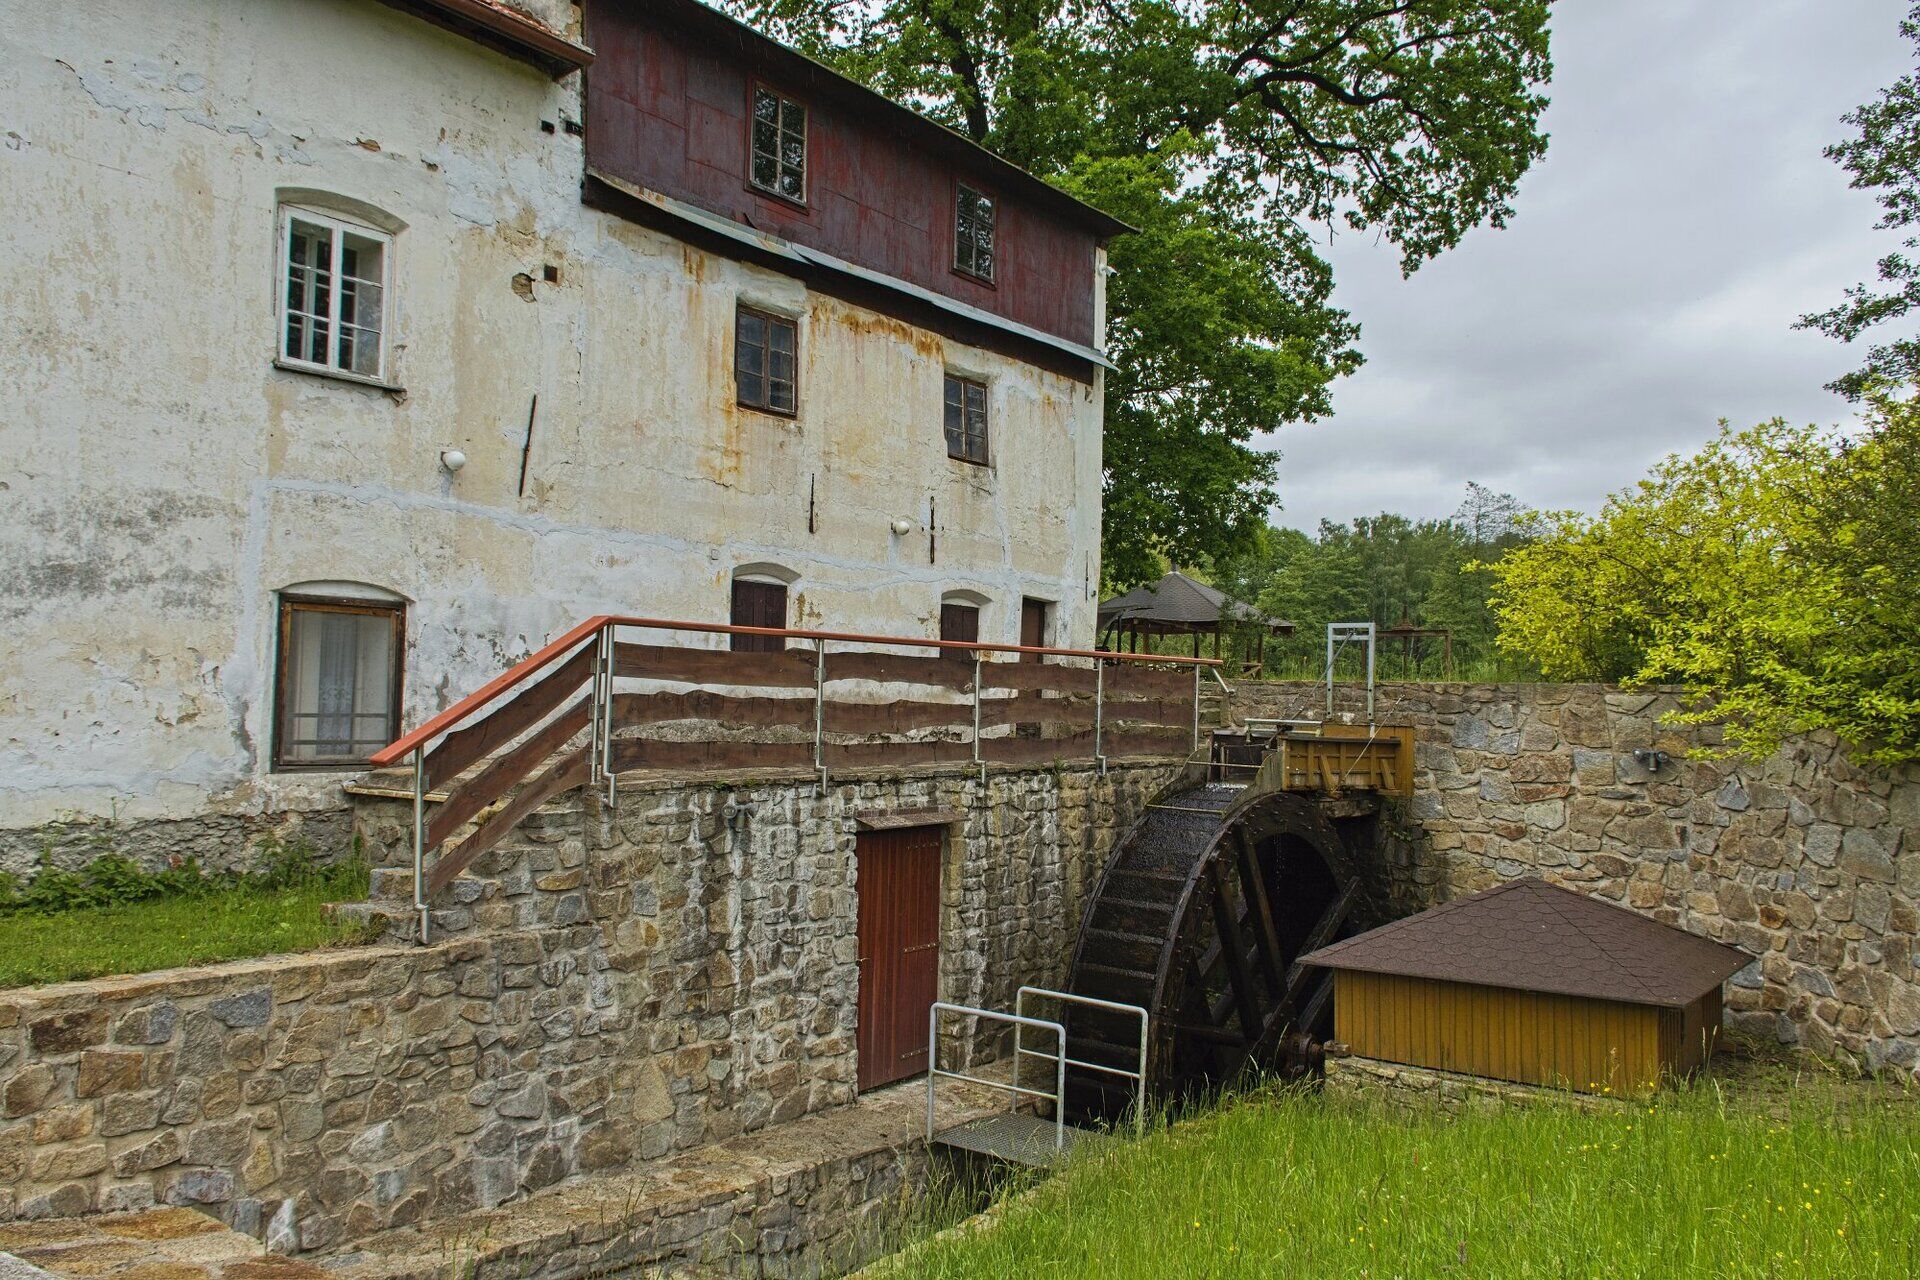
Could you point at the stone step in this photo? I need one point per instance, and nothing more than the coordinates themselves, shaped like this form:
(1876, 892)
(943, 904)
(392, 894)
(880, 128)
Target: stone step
(393, 884)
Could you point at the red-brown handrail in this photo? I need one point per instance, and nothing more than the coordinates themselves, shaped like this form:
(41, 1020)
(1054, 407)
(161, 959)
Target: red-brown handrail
(544, 657)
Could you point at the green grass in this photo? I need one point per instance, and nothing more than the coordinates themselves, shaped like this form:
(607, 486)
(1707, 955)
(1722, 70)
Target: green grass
(1816, 1180)
(163, 933)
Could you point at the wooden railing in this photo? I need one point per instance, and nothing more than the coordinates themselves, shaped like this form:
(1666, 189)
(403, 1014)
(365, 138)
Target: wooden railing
(601, 701)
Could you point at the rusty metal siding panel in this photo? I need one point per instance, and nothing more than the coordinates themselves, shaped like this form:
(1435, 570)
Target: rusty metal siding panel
(671, 115)
(1560, 1041)
(898, 885)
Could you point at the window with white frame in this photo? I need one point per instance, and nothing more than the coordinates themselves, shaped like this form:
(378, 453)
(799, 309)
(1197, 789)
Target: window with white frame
(334, 294)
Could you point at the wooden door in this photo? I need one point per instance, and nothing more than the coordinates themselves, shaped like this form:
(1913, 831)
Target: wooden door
(758, 604)
(1033, 627)
(899, 887)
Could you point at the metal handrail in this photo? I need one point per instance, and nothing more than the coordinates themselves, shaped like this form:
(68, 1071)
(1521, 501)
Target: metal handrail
(1059, 1093)
(1139, 1077)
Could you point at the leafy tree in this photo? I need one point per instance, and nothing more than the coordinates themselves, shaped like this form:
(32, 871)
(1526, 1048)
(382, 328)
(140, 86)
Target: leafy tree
(1223, 131)
(1769, 575)
(1884, 159)
(1865, 534)
(1387, 569)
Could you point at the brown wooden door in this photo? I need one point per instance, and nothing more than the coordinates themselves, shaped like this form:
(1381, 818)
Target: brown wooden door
(899, 887)
(758, 604)
(1033, 627)
(959, 622)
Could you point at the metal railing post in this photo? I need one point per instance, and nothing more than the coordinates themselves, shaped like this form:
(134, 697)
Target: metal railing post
(1099, 714)
(609, 643)
(420, 837)
(820, 710)
(1196, 707)
(978, 759)
(596, 754)
(933, 1063)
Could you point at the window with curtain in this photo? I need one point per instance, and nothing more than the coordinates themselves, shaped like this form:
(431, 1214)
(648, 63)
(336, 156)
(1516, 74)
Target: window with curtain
(337, 689)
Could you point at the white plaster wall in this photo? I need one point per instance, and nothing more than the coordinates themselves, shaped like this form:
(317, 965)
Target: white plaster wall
(162, 480)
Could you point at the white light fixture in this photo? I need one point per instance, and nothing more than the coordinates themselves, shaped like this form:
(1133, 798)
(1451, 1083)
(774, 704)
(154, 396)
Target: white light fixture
(903, 526)
(452, 460)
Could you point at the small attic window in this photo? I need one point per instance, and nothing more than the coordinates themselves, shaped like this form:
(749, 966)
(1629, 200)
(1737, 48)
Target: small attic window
(778, 151)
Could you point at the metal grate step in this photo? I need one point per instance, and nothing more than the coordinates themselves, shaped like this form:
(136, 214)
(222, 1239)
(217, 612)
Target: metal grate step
(1015, 1138)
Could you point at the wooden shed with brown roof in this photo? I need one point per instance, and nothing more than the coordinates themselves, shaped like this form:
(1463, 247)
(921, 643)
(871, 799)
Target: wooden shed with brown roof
(1535, 983)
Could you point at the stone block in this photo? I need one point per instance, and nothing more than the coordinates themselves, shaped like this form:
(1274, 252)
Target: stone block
(148, 1025)
(161, 1150)
(135, 1112)
(245, 1009)
(104, 1071)
(67, 1033)
(27, 1090)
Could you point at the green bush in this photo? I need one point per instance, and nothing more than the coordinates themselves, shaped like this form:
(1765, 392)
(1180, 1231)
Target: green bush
(110, 879)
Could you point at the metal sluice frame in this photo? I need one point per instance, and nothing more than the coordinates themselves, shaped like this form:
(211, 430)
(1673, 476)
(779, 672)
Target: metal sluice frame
(1139, 1077)
(935, 1071)
(1339, 636)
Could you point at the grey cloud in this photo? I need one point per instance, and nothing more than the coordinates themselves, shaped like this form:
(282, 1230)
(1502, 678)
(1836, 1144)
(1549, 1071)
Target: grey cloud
(1647, 286)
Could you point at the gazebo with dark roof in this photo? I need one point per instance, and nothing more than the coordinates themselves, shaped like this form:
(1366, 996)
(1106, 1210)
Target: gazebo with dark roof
(1179, 605)
(1531, 982)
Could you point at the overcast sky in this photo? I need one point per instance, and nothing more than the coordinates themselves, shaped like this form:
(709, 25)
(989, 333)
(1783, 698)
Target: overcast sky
(1646, 287)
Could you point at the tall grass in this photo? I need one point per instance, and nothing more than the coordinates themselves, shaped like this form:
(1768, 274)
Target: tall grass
(1291, 1184)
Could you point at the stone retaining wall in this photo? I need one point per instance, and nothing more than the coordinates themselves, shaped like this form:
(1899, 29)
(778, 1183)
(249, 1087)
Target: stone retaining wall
(1807, 861)
(621, 984)
(1396, 1083)
(218, 841)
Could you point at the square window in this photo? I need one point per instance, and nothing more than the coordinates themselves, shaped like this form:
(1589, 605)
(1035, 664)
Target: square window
(965, 411)
(765, 361)
(334, 295)
(778, 134)
(973, 221)
(337, 687)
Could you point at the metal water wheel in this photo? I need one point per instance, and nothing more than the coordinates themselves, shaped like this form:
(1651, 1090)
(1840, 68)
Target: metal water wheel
(1199, 918)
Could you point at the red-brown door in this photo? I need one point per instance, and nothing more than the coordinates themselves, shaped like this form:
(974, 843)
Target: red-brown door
(899, 887)
(758, 604)
(1033, 626)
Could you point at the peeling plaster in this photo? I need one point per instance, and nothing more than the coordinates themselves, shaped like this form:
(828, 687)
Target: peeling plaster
(171, 480)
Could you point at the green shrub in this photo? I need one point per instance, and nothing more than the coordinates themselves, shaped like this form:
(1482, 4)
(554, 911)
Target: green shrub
(110, 879)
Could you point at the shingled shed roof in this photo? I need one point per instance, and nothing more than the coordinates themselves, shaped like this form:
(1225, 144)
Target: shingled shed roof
(1528, 935)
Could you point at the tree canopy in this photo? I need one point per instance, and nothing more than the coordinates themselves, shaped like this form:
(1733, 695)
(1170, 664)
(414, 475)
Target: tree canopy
(1883, 158)
(1771, 576)
(1386, 569)
(1225, 132)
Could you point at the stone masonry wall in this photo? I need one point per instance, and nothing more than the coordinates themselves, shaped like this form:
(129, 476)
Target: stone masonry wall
(1807, 861)
(218, 841)
(609, 986)
(1427, 1088)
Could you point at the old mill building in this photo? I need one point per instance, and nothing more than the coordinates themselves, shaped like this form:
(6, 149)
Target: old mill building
(356, 348)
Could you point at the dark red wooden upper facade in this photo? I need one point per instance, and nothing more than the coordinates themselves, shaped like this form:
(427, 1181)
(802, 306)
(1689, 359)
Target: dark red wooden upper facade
(668, 102)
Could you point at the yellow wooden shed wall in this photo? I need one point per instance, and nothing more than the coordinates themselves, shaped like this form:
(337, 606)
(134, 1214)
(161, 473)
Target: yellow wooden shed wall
(1562, 1041)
